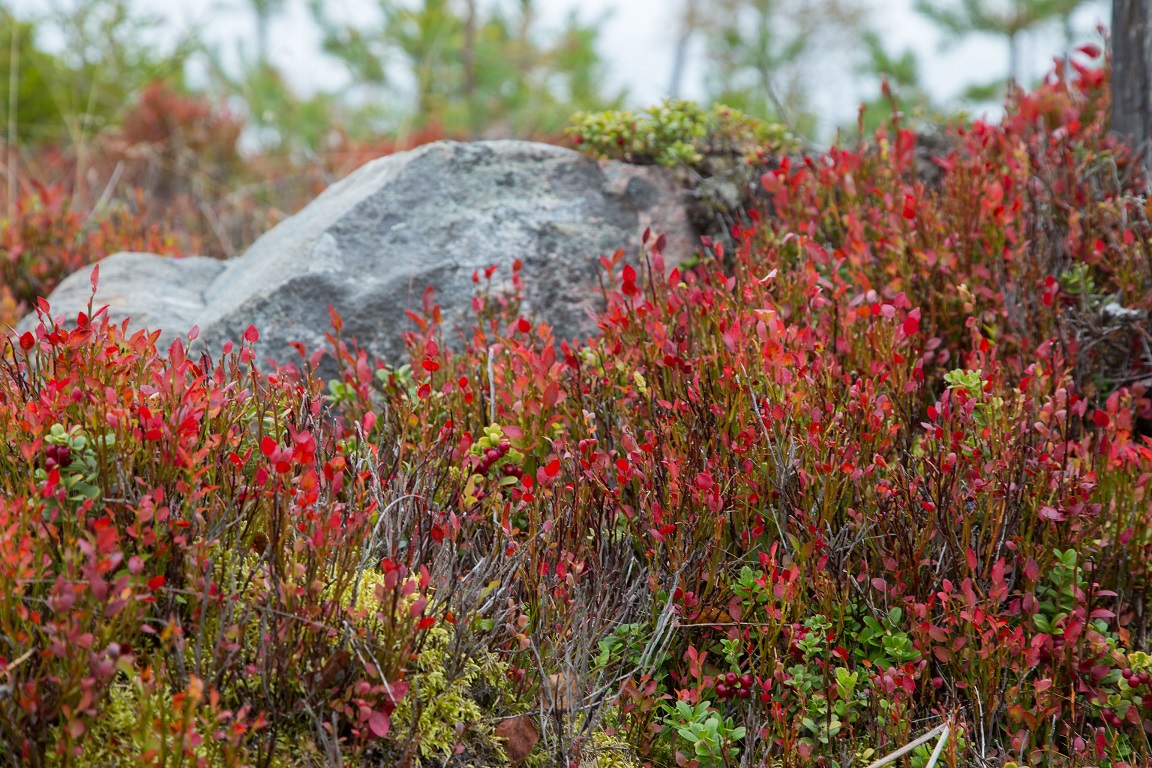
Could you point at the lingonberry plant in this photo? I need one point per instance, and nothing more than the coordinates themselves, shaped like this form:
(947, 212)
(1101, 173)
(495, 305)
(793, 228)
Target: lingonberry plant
(878, 468)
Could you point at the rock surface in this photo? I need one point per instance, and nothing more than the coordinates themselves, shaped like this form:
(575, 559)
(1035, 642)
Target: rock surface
(371, 243)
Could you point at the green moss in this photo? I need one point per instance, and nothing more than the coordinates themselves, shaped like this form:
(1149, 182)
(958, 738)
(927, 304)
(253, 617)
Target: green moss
(676, 134)
(602, 748)
(451, 708)
(719, 154)
(606, 751)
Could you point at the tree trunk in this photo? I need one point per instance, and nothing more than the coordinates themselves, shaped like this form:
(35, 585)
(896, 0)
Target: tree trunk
(688, 21)
(468, 58)
(1132, 74)
(262, 21)
(13, 103)
(1013, 60)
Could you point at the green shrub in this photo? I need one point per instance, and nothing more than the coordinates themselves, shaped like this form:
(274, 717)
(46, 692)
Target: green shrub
(676, 134)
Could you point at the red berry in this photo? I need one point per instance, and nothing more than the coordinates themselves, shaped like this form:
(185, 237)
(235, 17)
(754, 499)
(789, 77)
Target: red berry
(765, 698)
(743, 693)
(746, 680)
(722, 690)
(1126, 673)
(732, 678)
(1144, 677)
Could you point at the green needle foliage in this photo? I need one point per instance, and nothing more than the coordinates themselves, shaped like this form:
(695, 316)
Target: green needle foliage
(472, 70)
(991, 17)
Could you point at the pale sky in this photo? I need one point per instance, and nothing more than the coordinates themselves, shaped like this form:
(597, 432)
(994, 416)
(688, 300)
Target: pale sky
(636, 41)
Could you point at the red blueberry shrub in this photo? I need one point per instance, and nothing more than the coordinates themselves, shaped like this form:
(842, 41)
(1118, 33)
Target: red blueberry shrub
(878, 468)
(48, 240)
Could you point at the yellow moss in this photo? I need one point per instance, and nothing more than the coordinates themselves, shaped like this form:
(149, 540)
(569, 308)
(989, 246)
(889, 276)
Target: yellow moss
(450, 710)
(606, 751)
(600, 750)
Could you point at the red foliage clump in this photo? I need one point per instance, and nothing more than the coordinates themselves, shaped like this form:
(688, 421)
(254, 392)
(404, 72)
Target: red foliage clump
(47, 241)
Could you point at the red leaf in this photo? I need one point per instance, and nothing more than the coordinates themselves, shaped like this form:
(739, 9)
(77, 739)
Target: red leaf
(251, 335)
(426, 623)
(424, 391)
(421, 323)
(267, 446)
(912, 323)
(523, 325)
(1101, 419)
(553, 468)
(94, 278)
(27, 341)
(551, 394)
(1031, 570)
(155, 583)
(379, 724)
(430, 365)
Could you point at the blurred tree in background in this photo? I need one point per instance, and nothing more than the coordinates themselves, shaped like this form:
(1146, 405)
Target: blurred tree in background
(71, 99)
(1007, 19)
(471, 69)
(906, 93)
(37, 115)
(264, 11)
(107, 57)
(762, 55)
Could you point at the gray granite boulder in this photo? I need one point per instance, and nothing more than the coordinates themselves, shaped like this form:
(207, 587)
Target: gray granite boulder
(371, 243)
(153, 291)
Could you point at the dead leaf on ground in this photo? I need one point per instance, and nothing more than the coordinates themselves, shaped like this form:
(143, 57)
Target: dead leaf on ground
(519, 735)
(560, 693)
